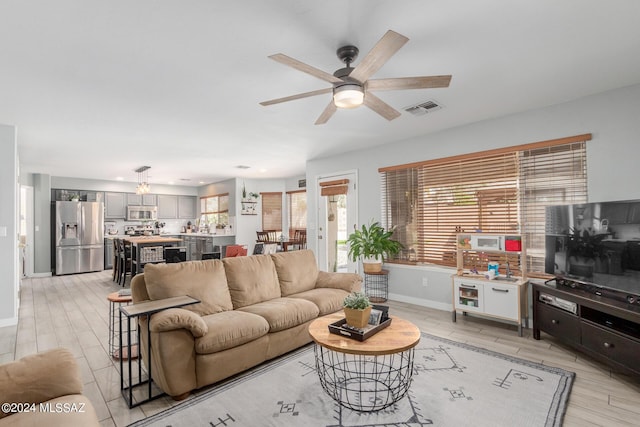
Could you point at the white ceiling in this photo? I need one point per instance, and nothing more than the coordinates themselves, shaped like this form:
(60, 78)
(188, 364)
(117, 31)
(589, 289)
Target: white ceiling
(98, 88)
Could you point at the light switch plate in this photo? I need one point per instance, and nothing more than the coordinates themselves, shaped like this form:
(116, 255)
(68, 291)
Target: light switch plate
(3, 231)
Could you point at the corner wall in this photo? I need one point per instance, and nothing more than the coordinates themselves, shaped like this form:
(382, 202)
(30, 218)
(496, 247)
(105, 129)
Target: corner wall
(9, 281)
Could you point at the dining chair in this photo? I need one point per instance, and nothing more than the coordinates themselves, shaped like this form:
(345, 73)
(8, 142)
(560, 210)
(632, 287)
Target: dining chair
(236, 250)
(262, 236)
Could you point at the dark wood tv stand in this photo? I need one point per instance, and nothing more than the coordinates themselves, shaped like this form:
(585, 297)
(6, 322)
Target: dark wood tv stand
(605, 329)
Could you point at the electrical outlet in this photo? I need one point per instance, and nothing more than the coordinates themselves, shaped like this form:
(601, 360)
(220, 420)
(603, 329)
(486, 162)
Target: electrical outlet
(425, 282)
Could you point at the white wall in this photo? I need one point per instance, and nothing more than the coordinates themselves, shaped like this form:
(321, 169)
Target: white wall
(9, 226)
(612, 161)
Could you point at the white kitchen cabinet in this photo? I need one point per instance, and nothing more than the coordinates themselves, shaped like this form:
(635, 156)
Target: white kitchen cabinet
(115, 206)
(167, 206)
(142, 199)
(187, 207)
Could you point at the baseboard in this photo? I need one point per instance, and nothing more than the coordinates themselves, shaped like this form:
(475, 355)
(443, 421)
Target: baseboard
(12, 321)
(49, 274)
(422, 302)
(447, 307)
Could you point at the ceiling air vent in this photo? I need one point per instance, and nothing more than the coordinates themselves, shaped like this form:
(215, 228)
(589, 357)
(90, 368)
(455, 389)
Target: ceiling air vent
(423, 108)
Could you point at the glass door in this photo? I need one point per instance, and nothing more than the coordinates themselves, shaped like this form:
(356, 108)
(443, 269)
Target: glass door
(337, 213)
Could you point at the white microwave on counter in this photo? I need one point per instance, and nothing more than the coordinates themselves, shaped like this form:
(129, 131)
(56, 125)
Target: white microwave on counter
(481, 242)
(142, 213)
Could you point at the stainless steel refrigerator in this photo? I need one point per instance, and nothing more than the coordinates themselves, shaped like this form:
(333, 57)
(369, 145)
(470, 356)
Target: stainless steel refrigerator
(79, 239)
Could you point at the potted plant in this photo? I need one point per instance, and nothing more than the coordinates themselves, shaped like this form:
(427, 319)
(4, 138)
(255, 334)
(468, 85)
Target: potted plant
(357, 309)
(372, 243)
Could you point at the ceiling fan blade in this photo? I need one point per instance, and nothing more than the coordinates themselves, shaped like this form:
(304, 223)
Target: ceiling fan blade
(297, 96)
(380, 107)
(386, 47)
(301, 66)
(327, 113)
(401, 83)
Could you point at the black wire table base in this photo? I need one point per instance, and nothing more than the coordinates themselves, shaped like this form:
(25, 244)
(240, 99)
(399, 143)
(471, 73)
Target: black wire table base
(364, 383)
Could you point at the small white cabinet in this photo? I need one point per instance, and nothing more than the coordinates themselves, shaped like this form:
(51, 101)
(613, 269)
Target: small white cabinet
(491, 298)
(500, 298)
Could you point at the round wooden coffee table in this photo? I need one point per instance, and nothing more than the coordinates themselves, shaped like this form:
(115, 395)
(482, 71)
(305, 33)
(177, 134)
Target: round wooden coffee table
(368, 375)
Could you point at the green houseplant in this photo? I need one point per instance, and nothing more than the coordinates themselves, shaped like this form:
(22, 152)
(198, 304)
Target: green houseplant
(357, 309)
(372, 243)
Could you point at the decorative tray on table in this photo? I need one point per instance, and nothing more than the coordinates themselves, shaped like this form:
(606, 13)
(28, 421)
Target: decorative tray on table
(360, 334)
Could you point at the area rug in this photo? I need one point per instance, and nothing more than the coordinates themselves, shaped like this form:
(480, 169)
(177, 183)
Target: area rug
(454, 384)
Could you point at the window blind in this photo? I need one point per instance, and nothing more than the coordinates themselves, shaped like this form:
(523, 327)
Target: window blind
(493, 191)
(297, 208)
(271, 211)
(554, 175)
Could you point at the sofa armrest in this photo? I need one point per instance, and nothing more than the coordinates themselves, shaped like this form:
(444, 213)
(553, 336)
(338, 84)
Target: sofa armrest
(179, 318)
(349, 282)
(40, 377)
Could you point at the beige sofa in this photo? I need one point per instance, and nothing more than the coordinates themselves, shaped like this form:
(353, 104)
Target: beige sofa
(252, 309)
(44, 389)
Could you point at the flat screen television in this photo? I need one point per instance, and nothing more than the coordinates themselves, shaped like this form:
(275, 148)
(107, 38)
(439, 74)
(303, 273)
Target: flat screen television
(597, 243)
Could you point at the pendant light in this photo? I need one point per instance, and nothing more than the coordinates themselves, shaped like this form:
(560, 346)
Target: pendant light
(143, 180)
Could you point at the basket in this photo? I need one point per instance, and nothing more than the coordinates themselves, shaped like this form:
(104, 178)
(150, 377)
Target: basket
(152, 254)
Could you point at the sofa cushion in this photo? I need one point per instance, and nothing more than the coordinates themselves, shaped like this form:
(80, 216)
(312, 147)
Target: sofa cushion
(230, 329)
(251, 279)
(297, 271)
(328, 300)
(204, 280)
(284, 313)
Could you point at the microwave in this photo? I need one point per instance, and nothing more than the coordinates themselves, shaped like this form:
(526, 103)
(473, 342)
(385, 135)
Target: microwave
(487, 243)
(142, 213)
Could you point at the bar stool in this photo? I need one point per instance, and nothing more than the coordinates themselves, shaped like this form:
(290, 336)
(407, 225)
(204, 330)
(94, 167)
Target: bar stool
(116, 259)
(124, 261)
(115, 301)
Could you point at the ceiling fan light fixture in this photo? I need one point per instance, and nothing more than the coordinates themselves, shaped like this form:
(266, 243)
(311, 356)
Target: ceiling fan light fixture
(350, 95)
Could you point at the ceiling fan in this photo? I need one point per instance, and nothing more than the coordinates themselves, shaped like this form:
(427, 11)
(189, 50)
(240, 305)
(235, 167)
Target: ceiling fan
(352, 86)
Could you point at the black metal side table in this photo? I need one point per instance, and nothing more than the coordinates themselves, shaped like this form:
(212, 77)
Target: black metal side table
(376, 286)
(135, 311)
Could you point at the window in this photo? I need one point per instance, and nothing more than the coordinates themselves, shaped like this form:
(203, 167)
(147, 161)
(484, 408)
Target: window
(215, 210)
(271, 211)
(500, 191)
(297, 207)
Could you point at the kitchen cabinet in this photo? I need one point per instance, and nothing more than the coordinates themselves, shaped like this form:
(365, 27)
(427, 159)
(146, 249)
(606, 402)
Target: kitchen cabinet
(167, 206)
(187, 207)
(115, 206)
(142, 199)
(198, 245)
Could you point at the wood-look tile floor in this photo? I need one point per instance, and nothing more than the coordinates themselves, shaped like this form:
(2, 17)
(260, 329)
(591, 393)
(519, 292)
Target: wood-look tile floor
(72, 311)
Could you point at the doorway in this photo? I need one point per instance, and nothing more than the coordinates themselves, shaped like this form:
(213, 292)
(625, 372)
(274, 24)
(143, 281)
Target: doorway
(26, 224)
(337, 218)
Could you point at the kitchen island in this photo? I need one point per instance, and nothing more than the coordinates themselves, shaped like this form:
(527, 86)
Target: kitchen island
(148, 249)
